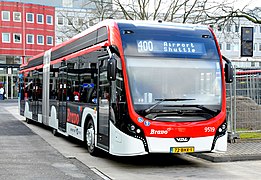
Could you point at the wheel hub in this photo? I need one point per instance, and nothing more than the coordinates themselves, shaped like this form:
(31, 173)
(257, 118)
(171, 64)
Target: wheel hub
(90, 137)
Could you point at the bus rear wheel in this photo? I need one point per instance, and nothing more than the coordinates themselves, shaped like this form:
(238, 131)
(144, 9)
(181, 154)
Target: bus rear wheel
(90, 138)
(28, 120)
(54, 132)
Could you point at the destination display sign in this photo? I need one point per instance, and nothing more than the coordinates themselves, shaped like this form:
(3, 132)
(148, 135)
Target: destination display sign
(174, 47)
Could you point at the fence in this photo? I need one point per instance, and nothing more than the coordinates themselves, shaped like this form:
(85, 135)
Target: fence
(244, 100)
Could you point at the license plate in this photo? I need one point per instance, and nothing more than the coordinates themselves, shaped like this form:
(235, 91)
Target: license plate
(181, 149)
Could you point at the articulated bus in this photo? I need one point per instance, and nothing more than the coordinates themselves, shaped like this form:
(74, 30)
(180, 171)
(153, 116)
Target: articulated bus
(132, 88)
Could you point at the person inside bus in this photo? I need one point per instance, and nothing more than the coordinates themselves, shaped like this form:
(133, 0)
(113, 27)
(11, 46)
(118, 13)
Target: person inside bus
(76, 95)
(2, 93)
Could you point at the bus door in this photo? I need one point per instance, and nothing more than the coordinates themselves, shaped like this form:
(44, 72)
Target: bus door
(104, 106)
(62, 96)
(36, 95)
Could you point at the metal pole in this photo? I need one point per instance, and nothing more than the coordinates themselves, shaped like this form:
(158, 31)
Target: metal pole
(231, 107)
(257, 89)
(235, 106)
(247, 85)
(254, 87)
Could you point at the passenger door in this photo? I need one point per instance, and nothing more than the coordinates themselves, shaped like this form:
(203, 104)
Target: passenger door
(62, 97)
(104, 106)
(37, 95)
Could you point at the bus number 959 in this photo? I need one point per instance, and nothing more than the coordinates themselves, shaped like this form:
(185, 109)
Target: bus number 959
(144, 46)
(209, 129)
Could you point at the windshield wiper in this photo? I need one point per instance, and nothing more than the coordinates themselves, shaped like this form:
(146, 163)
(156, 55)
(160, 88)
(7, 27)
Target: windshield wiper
(147, 111)
(204, 108)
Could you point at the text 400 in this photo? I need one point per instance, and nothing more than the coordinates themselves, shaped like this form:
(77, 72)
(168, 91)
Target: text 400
(145, 46)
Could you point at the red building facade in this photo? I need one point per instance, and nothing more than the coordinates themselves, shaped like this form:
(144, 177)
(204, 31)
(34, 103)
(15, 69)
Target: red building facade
(25, 30)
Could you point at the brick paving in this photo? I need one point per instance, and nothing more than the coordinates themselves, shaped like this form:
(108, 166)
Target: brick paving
(238, 151)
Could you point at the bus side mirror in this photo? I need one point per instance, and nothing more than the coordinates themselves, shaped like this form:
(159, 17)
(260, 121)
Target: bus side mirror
(111, 69)
(229, 72)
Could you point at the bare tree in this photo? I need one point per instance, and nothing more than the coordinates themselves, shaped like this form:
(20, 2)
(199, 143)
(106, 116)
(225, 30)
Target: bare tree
(192, 11)
(173, 11)
(216, 12)
(78, 20)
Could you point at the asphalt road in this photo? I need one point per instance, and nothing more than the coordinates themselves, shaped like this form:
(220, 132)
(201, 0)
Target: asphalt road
(64, 158)
(25, 155)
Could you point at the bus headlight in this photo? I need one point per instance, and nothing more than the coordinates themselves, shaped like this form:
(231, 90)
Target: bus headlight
(222, 128)
(132, 127)
(138, 131)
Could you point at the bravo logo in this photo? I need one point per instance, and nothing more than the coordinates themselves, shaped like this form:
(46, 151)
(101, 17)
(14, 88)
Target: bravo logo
(153, 131)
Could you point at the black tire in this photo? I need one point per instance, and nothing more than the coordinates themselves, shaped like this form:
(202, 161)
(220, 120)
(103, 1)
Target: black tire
(90, 139)
(28, 120)
(54, 132)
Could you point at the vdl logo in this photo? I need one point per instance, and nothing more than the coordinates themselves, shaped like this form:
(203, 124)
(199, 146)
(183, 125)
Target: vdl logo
(182, 139)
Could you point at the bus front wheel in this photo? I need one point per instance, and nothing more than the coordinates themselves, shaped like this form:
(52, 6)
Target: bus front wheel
(90, 138)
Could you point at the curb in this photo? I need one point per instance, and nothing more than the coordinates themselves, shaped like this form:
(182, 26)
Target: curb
(227, 158)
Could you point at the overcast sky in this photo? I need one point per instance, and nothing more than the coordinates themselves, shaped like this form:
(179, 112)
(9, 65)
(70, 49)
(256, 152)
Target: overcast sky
(237, 3)
(251, 3)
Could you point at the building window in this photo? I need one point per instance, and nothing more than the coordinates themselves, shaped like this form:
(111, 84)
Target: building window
(40, 39)
(236, 28)
(5, 15)
(228, 28)
(60, 21)
(228, 47)
(17, 17)
(30, 39)
(40, 19)
(49, 40)
(259, 47)
(255, 47)
(91, 23)
(6, 37)
(236, 47)
(17, 38)
(29, 17)
(49, 19)
(219, 28)
(80, 21)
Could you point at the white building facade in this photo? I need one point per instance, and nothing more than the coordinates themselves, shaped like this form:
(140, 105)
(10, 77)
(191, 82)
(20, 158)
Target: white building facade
(229, 38)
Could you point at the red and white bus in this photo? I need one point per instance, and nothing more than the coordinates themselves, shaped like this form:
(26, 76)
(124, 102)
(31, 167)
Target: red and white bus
(132, 88)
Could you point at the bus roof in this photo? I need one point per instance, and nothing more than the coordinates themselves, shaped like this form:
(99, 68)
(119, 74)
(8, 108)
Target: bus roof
(99, 33)
(160, 24)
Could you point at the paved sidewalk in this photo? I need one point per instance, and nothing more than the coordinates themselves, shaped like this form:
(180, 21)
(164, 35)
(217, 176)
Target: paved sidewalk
(239, 151)
(25, 155)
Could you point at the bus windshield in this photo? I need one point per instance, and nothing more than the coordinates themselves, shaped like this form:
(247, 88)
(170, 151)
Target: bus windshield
(194, 81)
